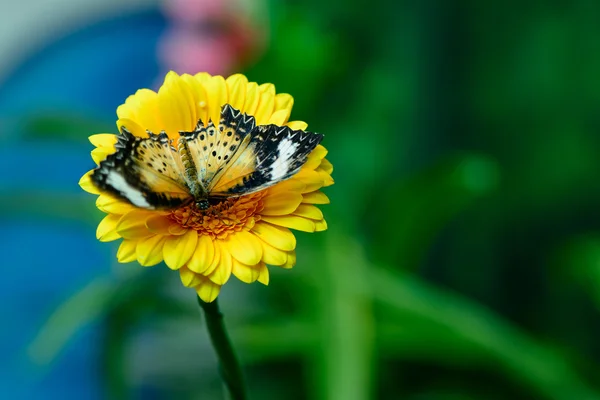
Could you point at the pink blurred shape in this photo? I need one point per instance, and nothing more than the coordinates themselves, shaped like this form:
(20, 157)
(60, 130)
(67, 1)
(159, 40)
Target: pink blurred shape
(215, 36)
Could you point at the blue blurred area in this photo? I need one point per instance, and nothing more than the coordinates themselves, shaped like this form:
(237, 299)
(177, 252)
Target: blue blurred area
(39, 156)
(40, 271)
(87, 72)
(93, 69)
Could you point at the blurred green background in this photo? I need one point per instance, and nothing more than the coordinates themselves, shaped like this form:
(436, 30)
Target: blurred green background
(462, 259)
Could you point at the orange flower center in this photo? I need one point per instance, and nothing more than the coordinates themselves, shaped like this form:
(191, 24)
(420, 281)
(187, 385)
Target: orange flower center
(230, 215)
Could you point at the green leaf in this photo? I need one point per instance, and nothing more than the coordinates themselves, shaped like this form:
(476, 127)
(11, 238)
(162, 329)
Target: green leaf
(545, 371)
(344, 363)
(410, 214)
(64, 126)
(45, 205)
(83, 308)
(579, 259)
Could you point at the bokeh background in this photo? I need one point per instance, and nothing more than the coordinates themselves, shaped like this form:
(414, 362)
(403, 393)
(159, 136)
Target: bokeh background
(463, 255)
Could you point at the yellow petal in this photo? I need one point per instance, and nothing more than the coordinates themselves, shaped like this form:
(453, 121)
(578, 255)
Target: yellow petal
(86, 183)
(315, 158)
(203, 77)
(316, 197)
(325, 177)
(320, 151)
(107, 228)
(208, 291)
(276, 236)
(281, 203)
(291, 261)
(245, 273)
(273, 256)
(174, 106)
(284, 101)
(179, 249)
(223, 271)
(159, 224)
(290, 185)
(297, 125)
(252, 98)
(126, 252)
(133, 224)
(189, 98)
(312, 163)
(249, 224)
(147, 112)
(263, 274)
(189, 278)
(203, 255)
(291, 221)
(111, 205)
(103, 140)
(150, 250)
(279, 117)
(128, 109)
(312, 179)
(244, 247)
(236, 89)
(320, 225)
(141, 108)
(200, 101)
(134, 128)
(267, 88)
(326, 166)
(99, 154)
(265, 108)
(176, 229)
(216, 89)
(216, 261)
(308, 211)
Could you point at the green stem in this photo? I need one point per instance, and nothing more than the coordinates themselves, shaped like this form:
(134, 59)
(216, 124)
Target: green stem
(228, 362)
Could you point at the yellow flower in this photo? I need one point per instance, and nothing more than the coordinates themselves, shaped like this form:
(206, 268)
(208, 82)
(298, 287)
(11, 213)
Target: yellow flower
(199, 244)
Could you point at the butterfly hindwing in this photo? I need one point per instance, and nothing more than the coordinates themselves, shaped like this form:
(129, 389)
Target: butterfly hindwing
(144, 172)
(274, 154)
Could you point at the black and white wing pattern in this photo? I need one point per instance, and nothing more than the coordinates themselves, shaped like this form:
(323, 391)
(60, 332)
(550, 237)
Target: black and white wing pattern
(146, 172)
(274, 154)
(232, 159)
(265, 155)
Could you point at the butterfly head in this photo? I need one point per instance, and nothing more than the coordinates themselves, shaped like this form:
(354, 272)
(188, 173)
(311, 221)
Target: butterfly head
(203, 204)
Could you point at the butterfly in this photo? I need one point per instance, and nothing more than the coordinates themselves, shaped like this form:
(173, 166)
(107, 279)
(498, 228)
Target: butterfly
(204, 166)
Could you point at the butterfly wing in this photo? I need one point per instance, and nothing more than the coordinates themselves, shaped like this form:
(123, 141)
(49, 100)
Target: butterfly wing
(274, 154)
(212, 150)
(235, 159)
(144, 172)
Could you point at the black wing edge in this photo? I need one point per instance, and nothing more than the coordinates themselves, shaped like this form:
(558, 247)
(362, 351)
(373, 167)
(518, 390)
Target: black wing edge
(269, 137)
(122, 163)
(230, 116)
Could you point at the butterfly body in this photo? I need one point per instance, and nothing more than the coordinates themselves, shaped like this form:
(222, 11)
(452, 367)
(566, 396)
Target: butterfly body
(205, 166)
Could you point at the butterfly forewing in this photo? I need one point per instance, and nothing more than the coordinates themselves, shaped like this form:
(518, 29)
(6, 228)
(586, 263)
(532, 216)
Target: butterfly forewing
(144, 171)
(234, 129)
(275, 153)
(213, 150)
